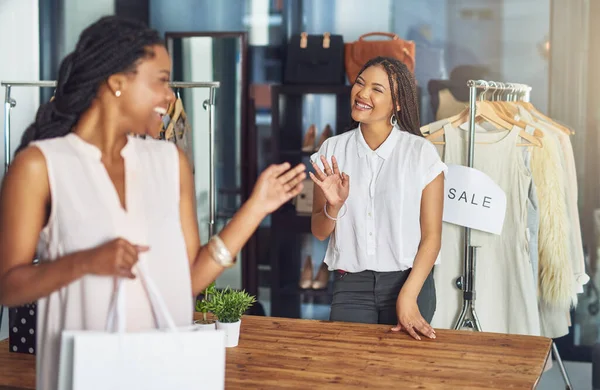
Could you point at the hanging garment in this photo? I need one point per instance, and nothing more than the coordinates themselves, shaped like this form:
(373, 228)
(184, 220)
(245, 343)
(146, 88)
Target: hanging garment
(556, 246)
(182, 137)
(506, 300)
(533, 215)
(448, 105)
(87, 212)
(553, 322)
(178, 130)
(571, 188)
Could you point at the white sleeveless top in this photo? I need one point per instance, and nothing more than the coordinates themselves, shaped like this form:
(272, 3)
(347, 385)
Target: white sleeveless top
(86, 212)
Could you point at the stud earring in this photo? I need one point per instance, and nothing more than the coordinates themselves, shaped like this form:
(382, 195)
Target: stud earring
(393, 120)
(117, 93)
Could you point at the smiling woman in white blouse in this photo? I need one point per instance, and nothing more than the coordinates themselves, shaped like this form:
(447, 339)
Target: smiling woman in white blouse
(385, 228)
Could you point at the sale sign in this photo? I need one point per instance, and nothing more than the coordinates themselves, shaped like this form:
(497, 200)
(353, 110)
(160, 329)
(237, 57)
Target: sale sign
(472, 199)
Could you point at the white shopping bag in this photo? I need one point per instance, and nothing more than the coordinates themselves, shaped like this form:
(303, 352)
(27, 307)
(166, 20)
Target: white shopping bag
(165, 358)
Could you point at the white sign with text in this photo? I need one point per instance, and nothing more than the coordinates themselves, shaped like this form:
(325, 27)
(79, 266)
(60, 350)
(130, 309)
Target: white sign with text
(472, 199)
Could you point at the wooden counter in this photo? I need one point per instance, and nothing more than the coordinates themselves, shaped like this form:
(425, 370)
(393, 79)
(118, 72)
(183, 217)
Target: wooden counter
(278, 352)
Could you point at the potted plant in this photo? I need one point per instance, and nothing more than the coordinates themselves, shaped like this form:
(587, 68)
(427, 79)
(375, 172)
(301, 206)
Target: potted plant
(203, 306)
(228, 306)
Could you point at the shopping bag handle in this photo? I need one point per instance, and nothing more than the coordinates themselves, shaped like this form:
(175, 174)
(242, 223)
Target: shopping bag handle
(116, 318)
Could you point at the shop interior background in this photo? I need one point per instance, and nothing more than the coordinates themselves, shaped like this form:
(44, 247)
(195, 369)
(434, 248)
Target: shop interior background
(546, 44)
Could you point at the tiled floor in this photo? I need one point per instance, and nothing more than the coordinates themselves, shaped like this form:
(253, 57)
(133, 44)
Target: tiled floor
(580, 375)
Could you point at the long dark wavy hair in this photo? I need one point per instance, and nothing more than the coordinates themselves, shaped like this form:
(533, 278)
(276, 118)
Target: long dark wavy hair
(110, 45)
(404, 93)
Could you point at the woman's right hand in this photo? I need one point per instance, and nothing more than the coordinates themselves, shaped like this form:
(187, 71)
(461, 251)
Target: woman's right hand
(114, 258)
(335, 185)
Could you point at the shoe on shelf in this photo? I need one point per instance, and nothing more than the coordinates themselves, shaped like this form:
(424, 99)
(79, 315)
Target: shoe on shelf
(308, 144)
(327, 132)
(306, 274)
(322, 279)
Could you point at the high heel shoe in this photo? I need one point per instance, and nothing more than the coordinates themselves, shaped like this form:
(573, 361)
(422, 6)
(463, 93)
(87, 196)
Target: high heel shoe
(322, 279)
(306, 274)
(309, 139)
(327, 132)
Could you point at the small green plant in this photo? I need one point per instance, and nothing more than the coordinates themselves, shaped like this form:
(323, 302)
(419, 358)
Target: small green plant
(202, 305)
(229, 305)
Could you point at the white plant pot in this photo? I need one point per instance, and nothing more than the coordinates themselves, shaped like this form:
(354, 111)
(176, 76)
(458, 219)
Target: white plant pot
(201, 326)
(232, 332)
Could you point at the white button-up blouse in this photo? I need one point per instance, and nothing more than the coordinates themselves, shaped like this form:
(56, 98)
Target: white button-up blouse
(380, 230)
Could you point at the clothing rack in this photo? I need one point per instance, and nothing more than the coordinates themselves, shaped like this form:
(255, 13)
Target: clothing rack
(208, 105)
(466, 282)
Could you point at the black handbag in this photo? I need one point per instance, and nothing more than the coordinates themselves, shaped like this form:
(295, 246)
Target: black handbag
(315, 59)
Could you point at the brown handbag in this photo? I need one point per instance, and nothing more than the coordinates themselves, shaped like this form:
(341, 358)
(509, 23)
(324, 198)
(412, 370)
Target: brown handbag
(357, 53)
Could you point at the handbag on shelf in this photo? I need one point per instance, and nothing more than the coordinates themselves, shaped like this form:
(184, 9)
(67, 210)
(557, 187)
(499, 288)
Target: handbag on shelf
(168, 357)
(356, 54)
(315, 60)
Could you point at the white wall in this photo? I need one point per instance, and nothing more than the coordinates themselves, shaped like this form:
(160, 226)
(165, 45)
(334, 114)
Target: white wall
(525, 24)
(19, 21)
(409, 14)
(198, 15)
(356, 17)
(78, 15)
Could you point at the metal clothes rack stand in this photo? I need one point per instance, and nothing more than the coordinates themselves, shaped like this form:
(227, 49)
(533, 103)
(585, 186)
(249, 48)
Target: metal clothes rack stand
(466, 282)
(208, 105)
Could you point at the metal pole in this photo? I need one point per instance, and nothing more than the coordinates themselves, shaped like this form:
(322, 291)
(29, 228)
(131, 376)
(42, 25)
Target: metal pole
(195, 84)
(173, 84)
(209, 106)
(8, 104)
(470, 294)
(465, 281)
(561, 366)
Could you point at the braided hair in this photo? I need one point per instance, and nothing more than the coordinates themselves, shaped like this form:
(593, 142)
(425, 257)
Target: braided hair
(404, 93)
(110, 45)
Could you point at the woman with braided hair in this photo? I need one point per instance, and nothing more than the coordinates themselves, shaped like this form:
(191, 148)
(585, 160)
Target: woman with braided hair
(90, 200)
(385, 231)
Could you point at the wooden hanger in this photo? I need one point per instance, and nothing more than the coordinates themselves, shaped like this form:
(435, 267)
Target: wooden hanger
(427, 129)
(177, 113)
(486, 112)
(531, 108)
(168, 114)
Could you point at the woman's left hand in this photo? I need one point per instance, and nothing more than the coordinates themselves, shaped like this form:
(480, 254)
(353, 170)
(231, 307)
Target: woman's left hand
(410, 319)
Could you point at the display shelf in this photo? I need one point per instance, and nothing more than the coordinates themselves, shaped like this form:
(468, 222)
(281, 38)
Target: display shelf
(311, 293)
(291, 222)
(293, 89)
(288, 228)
